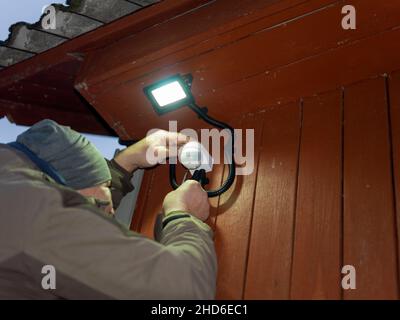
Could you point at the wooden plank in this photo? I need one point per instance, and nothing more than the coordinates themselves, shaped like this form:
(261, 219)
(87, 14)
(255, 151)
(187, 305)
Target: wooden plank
(394, 94)
(28, 114)
(369, 221)
(70, 53)
(142, 199)
(120, 28)
(232, 57)
(317, 245)
(157, 190)
(140, 20)
(216, 178)
(324, 72)
(198, 44)
(62, 76)
(215, 15)
(321, 73)
(64, 98)
(288, 41)
(270, 252)
(233, 223)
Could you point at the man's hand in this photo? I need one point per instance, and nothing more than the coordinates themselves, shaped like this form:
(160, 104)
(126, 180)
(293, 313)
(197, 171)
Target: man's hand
(151, 150)
(189, 197)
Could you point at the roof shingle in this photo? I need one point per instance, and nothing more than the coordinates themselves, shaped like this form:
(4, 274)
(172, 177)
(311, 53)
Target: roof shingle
(78, 17)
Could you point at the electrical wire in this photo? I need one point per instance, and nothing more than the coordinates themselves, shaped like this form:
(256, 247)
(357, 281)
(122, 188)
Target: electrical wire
(202, 113)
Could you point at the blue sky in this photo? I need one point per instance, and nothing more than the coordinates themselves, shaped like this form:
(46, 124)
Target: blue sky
(12, 11)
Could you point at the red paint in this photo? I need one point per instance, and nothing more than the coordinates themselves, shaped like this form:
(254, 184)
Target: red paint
(279, 67)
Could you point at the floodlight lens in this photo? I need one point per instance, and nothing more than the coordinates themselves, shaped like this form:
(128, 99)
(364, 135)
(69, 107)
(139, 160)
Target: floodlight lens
(169, 93)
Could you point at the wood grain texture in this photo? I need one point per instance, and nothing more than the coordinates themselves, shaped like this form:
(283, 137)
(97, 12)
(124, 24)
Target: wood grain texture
(233, 223)
(317, 244)
(28, 114)
(324, 192)
(141, 202)
(270, 252)
(369, 220)
(280, 54)
(174, 34)
(394, 96)
(324, 72)
(216, 178)
(157, 190)
(281, 38)
(279, 232)
(120, 28)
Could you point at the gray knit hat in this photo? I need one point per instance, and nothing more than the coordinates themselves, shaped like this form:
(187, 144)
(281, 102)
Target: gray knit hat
(68, 152)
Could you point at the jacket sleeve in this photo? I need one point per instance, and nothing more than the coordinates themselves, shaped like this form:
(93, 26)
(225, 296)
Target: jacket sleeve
(87, 247)
(120, 182)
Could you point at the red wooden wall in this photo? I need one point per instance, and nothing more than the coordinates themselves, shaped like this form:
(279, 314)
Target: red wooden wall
(325, 106)
(322, 195)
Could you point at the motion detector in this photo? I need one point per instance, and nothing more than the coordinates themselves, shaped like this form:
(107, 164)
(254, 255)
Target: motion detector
(194, 157)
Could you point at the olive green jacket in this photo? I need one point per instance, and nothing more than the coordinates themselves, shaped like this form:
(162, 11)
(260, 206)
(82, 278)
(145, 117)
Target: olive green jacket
(43, 223)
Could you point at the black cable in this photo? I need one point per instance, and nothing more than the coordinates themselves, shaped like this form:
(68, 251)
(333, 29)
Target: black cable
(232, 166)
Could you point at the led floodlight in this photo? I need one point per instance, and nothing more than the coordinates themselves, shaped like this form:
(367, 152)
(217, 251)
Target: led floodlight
(172, 93)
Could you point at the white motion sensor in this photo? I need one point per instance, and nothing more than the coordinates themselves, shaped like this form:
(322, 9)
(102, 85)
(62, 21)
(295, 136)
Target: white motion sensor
(194, 156)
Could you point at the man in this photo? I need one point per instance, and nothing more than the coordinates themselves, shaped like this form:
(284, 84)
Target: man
(57, 194)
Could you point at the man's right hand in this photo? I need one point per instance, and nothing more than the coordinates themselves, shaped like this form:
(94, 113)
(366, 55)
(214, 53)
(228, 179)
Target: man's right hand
(189, 197)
